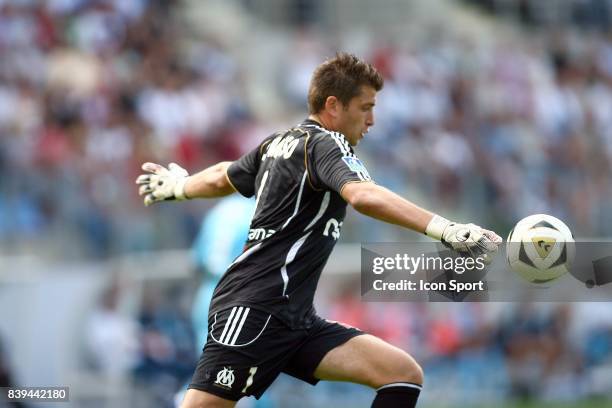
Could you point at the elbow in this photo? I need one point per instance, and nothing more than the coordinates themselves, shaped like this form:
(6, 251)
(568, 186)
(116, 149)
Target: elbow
(220, 184)
(361, 196)
(221, 181)
(363, 205)
(362, 201)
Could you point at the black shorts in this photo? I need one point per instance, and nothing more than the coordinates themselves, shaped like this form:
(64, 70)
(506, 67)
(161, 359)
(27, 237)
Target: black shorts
(247, 349)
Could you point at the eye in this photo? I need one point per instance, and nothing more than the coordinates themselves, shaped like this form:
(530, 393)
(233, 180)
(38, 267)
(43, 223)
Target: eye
(367, 108)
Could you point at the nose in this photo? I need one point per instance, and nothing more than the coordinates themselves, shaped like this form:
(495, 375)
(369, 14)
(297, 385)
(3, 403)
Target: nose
(370, 119)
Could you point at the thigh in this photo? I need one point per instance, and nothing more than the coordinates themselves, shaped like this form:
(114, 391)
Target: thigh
(321, 338)
(196, 399)
(245, 351)
(367, 360)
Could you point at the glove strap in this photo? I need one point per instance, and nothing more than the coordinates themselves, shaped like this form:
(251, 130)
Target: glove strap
(179, 189)
(435, 228)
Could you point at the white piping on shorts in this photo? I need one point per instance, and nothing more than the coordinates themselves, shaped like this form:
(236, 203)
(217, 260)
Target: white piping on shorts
(212, 327)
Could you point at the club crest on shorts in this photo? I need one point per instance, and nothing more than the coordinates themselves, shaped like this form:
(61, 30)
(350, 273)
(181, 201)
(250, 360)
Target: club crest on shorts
(225, 378)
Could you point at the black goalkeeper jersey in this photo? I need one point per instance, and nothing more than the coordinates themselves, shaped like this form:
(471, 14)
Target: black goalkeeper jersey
(296, 176)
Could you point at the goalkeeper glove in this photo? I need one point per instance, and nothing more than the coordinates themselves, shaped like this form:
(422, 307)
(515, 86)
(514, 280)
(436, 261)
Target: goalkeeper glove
(467, 239)
(163, 183)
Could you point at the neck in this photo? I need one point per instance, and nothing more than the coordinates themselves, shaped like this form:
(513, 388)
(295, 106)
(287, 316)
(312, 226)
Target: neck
(325, 123)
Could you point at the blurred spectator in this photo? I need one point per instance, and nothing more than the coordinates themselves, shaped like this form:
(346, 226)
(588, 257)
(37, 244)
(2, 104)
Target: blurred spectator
(112, 338)
(167, 346)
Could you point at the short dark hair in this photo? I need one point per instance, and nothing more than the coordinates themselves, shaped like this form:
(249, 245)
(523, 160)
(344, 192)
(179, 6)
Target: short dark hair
(342, 77)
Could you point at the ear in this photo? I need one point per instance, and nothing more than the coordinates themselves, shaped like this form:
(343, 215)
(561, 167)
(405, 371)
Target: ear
(332, 105)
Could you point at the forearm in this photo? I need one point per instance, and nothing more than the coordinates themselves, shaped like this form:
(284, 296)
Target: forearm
(378, 202)
(209, 183)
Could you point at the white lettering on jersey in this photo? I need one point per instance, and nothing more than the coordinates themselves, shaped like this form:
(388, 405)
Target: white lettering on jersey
(259, 233)
(281, 147)
(332, 223)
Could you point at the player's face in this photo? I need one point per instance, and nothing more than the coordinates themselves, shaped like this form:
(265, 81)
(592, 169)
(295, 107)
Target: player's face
(355, 119)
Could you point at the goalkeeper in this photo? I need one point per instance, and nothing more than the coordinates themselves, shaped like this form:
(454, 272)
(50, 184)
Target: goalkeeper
(261, 319)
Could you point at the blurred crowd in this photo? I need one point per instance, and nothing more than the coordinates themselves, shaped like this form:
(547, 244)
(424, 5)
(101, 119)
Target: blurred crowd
(480, 129)
(503, 129)
(88, 91)
(488, 130)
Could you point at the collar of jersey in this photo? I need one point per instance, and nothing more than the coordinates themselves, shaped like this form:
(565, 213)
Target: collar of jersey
(312, 122)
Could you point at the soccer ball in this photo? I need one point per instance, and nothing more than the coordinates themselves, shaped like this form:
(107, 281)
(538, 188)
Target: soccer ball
(540, 248)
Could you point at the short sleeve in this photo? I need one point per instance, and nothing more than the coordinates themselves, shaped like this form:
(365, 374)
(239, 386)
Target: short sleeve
(333, 162)
(242, 172)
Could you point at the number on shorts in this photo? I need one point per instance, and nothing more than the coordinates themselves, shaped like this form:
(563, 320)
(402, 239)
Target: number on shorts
(249, 380)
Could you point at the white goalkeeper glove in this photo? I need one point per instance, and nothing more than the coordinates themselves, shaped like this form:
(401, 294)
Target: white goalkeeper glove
(467, 239)
(163, 183)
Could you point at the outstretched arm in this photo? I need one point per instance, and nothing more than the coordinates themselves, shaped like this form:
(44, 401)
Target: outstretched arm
(209, 183)
(378, 202)
(174, 183)
(383, 204)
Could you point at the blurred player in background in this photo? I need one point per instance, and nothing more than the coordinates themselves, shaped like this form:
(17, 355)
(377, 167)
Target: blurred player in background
(262, 319)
